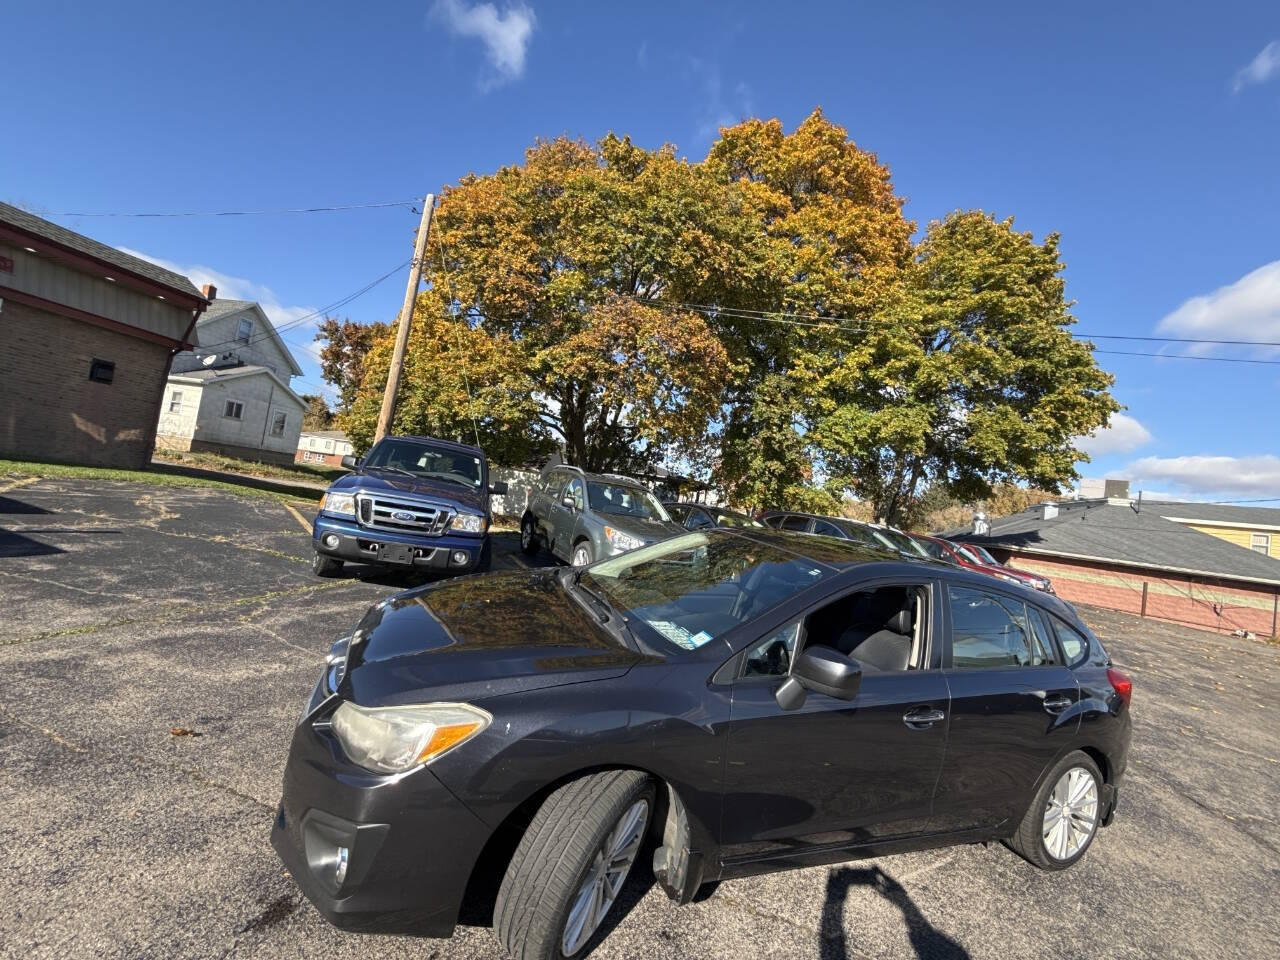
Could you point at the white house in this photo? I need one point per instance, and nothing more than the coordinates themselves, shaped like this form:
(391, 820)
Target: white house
(324, 446)
(231, 394)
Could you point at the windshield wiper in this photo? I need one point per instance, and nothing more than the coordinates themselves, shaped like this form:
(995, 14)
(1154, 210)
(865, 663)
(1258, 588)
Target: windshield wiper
(609, 615)
(437, 476)
(400, 470)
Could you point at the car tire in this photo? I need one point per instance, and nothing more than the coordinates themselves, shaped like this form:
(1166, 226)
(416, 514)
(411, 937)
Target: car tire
(558, 863)
(323, 566)
(1063, 819)
(581, 555)
(529, 544)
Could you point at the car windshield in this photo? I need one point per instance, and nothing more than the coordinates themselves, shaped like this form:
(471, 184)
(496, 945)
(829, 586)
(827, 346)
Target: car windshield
(428, 461)
(688, 590)
(624, 500)
(728, 518)
(979, 554)
(900, 541)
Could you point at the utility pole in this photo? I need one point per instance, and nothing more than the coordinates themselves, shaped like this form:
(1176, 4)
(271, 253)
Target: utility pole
(406, 319)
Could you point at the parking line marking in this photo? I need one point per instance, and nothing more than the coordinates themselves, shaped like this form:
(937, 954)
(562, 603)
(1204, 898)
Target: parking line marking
(24, 482)
(302, 521)
(517, 560)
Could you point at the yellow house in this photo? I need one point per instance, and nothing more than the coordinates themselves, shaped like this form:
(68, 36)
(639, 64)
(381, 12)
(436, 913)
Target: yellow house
(1254, 528)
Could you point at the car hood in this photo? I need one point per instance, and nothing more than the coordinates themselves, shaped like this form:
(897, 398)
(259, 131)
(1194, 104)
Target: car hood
(478, 637)
(645, 529)
(390, 483)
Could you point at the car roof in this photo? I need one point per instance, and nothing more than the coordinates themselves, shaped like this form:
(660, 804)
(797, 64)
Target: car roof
(450, 444)
(616, 478)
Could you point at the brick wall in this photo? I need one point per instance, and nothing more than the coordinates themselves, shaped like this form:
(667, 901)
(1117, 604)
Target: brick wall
(317, 457)
(51, 410)
(1220, 605)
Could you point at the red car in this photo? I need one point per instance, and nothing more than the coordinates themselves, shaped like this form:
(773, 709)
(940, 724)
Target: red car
(973, 557)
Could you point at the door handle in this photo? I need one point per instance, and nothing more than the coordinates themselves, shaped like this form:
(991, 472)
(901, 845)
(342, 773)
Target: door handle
(922, 718)
(1057, 704)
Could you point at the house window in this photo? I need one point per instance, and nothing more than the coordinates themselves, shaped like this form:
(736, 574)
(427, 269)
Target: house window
(233, 410)
(244, 329)
(311, 442)
(175, 401)
(102, 371)
(278, 420)
(1261, 542)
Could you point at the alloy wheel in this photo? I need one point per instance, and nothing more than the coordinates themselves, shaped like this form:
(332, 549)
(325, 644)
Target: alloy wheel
(581, 557)
(605, 877)
(1071, 814)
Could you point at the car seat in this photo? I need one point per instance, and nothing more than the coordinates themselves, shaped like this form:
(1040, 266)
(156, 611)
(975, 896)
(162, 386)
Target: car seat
(887, 647)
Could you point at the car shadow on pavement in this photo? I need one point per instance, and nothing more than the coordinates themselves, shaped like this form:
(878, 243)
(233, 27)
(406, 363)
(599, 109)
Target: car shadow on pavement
(928, 941)
(10, 505)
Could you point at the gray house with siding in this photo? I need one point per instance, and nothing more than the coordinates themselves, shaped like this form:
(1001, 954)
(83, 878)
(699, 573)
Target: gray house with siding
(231, 393)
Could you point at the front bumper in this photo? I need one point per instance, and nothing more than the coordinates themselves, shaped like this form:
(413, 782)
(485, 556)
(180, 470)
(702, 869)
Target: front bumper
(364, 545)
(407, 844)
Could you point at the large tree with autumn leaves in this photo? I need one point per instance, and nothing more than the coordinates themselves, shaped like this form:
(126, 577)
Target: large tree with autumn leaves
(762, 316)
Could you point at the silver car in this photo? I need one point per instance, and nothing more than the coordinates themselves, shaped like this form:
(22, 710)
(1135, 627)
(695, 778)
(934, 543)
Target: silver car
(583, 517)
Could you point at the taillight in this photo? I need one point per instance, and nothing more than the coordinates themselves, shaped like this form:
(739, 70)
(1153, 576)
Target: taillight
(1120, 683)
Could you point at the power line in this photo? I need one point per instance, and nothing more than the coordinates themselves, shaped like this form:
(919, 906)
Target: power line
(254, 213)
(1184, 356)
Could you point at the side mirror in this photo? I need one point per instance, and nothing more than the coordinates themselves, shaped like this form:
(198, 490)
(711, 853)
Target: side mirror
(498, 487)
(821, 670)
(351, 462)
(569, 502)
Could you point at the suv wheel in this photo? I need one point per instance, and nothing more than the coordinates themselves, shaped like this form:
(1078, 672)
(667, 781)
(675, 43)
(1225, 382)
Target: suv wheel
(529, 537)
(323, 566)
(1063, 819)
(581, 554)
(571, 865)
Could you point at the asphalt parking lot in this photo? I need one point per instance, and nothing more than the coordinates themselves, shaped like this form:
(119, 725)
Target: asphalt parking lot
(158, 646)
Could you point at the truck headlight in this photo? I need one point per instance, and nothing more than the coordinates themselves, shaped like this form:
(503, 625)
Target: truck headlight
(396, 739)
(469, 523)
(623, 541)
(343, 504)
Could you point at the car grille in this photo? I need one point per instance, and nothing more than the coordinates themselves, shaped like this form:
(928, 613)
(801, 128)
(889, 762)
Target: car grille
(379, 513)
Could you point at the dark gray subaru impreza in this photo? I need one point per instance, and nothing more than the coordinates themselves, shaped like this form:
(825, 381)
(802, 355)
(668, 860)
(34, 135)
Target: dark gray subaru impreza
(734, 701)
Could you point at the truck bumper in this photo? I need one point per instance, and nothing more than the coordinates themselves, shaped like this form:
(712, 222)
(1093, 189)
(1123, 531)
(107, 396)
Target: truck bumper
(347, 540)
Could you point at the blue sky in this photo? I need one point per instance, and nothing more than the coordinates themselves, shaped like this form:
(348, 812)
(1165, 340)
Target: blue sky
(1148, 136)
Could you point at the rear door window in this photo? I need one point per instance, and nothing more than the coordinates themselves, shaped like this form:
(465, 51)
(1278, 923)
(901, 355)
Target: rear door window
(1041, 637)
(988, 630)
(698, 520)
(825, 528)
(795, 523)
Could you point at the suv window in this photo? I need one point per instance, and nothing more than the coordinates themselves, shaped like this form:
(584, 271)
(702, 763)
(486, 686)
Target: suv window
(574, 488)
(988, 630)
(794, 522)
(826, 528)
(698, 520)
(678, 513)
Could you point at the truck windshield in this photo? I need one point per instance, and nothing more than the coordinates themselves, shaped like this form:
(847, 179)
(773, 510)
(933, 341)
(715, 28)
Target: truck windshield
(691, 589)
(624, 500)
(428, 461)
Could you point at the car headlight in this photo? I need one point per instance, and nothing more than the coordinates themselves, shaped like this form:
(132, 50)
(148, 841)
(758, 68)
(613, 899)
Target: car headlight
(396, 739)
(623, 541)
(343, 504)
(469, 523)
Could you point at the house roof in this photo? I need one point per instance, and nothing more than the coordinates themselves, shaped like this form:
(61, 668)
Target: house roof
(207, 376)
(325, 434)
(223, 308)
(38, 227)
(1120, 532)
(1216, 513)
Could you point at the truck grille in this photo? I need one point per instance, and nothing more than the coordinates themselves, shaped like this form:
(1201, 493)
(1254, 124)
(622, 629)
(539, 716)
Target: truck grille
(379, 513)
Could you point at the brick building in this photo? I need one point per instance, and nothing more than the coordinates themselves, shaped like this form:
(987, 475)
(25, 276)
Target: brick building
(87, 334)
(323, 446)
(1127, 555)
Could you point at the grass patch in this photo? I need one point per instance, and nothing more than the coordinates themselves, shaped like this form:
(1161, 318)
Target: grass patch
(158, 475)
(252, 468)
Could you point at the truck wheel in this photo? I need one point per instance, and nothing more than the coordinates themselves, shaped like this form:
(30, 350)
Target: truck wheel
(323, 566)
(571, 865)
(529, 537)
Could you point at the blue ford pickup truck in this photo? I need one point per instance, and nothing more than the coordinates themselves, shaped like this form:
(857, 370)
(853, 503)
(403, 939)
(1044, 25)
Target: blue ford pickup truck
(412, 503)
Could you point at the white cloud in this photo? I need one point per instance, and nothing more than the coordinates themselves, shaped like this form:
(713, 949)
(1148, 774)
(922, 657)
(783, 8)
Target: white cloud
(1257, 476)
(1261, 68)
(1248, 309)
(1123, 434)
(505, 35)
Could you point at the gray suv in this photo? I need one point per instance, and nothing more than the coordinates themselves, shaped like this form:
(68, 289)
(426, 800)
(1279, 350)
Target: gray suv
(582, 517)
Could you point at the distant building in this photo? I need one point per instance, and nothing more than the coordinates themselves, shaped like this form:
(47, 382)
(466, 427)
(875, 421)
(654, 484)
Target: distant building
(87, 334)
(1180, 562)
(231, 394)
(323, 446)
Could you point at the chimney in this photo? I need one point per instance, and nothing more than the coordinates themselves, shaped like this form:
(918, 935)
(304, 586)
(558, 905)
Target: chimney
(980, 525)
(210, 291)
